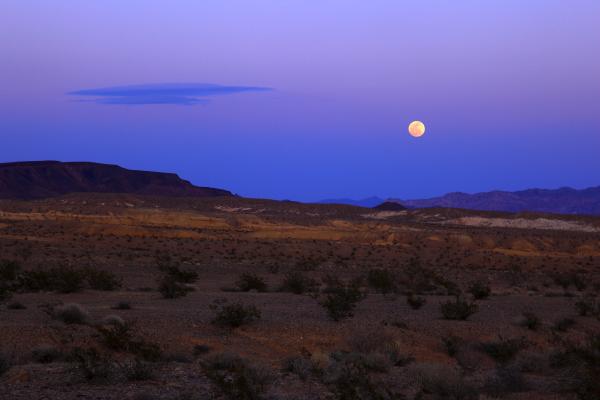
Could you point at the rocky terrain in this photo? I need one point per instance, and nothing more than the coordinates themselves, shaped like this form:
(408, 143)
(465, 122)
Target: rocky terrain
(123, 296)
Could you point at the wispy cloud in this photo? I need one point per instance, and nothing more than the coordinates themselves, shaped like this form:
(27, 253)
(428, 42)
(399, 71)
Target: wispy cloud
(163, 93)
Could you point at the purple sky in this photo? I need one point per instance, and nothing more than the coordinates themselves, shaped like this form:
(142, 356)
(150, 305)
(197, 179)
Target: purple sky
(509, 92)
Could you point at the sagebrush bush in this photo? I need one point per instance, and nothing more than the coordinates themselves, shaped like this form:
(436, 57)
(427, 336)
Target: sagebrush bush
(479, 290)
(563, 324)
(15, 305)
(297, 283)
(46, 354)
(505, 380)
(588, 306)
(443, 382)
(122, 305)
(180, 275)
(66, 279)
(237, 378)
(348, 375)
(300, 366)
(566, 279)
(5, 292)
(382, 280)
(5, 364)
(102, 280)
(122, 337)
(9, 270)
(71, 313)
(503, 350)
(530, 321)
(451, 344)
(171, 288)
(415, 302)
(342, 301)
(138, 370)
(60, 279)
(235, 315)
(250, 281)
(93, 365)
(458, 309)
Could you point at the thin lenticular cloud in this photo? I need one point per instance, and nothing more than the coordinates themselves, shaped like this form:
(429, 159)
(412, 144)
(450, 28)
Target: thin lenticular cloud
(164, 93)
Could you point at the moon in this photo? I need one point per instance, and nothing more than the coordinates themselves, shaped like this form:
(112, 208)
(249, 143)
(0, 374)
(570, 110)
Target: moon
(416, 129)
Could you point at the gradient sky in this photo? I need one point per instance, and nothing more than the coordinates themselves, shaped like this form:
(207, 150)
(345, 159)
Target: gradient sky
(509, 91)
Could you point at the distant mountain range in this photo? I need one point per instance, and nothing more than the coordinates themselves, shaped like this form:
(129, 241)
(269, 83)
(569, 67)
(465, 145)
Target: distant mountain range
(561, 201)
(42, 179)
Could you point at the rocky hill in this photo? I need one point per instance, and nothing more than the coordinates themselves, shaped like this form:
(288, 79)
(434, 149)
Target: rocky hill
(42, 179)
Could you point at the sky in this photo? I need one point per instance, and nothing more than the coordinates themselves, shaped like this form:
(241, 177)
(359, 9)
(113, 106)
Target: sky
(309, 100)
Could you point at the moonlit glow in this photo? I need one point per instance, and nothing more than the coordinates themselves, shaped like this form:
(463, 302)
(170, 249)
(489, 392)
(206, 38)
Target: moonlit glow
(416, 129)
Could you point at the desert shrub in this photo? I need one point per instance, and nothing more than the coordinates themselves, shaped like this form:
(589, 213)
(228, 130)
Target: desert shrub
(459, 309)
(533, 362)
(503, 350)
(179, 275)
(60, 279)
(122, 337)
(122, 305)
(9, 270)
(237, 378)
(102, 280)
(113, 320)
(479, 290)
(382, 280)
(377, 348)
(116, 336)
(563, 324)
(71, 313)
(415, 302)
(588, 306)
(5, 292)
(567, 279)
(35, 281)
(66, 279)
(46, 354)
(451, 288)
(504, 381)
(5, 364)
(451, 344)
(340, 304)
(92, 365)
(201, 349)
(582, 367)
(15, 305)
(249, 281)
(138, 370)
(171, 288)
(348, 376)
(300, 366)
(443, 382)
(298, 283)
(530, 321)
(235, 315)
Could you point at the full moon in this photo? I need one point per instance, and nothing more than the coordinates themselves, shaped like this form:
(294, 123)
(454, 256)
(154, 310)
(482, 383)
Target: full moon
(416, 129)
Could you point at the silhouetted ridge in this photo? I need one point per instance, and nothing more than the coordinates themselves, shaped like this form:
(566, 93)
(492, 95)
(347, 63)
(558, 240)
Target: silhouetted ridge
(41, 179)
(390, 206)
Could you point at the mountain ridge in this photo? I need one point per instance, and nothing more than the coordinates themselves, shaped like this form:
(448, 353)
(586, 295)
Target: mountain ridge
(50, 178)
(564, 200)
